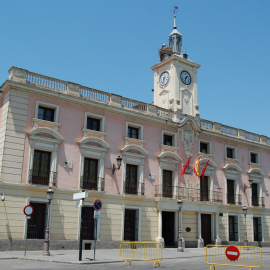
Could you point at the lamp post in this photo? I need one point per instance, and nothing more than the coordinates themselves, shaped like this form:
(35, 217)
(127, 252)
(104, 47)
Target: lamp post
(180, 247)
(46, 251)
(245, 214)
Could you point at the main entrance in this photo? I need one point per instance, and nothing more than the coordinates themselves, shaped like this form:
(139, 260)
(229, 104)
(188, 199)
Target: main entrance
(206, 228)
(168, 228)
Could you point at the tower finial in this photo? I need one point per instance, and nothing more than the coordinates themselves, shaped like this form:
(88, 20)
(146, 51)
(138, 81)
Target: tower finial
(174, 10)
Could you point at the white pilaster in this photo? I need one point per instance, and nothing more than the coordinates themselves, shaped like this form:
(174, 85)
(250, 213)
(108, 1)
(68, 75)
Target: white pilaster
(217, 240)
(159, 238)
(200, 240)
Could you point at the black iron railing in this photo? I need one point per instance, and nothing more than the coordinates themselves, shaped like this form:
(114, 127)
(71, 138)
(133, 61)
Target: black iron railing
(166, 191)
(258, 201)
(39, 177)
(133, 188)
(234, 199)
(92, 183)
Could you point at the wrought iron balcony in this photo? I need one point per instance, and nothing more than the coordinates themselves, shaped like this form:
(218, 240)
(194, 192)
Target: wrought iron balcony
(92, 183)
(166, 191)
(234, 199)
(133, 188)
(258, 201)
(39, 177)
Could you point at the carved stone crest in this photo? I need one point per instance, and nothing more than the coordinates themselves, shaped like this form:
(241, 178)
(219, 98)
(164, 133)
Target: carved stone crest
(188, 138)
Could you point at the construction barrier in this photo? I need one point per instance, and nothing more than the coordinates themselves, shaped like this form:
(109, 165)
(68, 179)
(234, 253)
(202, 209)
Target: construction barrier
(141, 251)
(239, 256)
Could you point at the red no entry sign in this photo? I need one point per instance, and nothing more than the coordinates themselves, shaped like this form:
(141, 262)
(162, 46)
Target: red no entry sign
(97, 204)
(232, 253)
(28, 210)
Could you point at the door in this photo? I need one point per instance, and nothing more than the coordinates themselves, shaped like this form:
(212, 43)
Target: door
(168, 228)
(233, 228)
(90, 174)
(167, 184)
(36, 225)
(41, 168)
(206, 228)
(87, 223)
(230, 192)
(204, 189)
(131, 179)
(130, 225)
(255, 199)
(257, 229)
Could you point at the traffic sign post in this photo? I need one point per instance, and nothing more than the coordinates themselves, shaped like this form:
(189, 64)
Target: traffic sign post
(28, 211)
(232, 253)
(97, 204)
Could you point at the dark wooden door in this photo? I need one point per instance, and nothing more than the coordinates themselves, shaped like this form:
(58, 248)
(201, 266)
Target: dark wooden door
(130, 225)
(206, 228)
(233, 228)
(257, 227)
(41, 167)
(204, 189)
(168, 228)
(167, 190)
(230, 192)
(90, 174)
(87, 223)
(131, 179)
(36, 225)
(255, 199)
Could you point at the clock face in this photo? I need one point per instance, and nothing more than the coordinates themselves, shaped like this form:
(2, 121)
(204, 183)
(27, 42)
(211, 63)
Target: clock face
(185, 78)
(164, 78)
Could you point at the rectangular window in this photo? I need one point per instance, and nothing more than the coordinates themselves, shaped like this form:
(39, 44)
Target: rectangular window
(167, 140)
(93, 124)
(90, 172)
(46, 114)
(167, 190)
(131, 225)
(204, 189)
(230, 192)
(253, 158)
(131, 179)
(36, 225)
(87, 223)
(133, 132)
(257, 228)
(254, 198)
(230, 153)
(204, 148)
(40, 174)
(233, 228)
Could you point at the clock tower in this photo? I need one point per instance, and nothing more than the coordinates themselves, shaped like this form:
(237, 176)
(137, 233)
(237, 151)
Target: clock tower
(175, 78)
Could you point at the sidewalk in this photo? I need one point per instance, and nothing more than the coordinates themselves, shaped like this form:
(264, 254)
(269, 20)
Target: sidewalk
(102, 256)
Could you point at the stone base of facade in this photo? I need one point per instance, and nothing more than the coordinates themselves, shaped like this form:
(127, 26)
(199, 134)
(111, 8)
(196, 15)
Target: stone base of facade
(160, 240)
(218, 241)
(200, 243)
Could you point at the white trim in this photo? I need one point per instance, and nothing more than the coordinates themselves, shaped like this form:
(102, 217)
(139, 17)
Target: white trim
(257, 156)
(209, 147)
(234, 148)
(255, 216)
(135, 125)
(96, 116)
(135, 207)
(238, 225)
(174, 138)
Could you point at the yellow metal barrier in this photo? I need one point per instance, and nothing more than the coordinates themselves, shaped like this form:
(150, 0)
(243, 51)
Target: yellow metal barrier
(141, 251)
(250, 257)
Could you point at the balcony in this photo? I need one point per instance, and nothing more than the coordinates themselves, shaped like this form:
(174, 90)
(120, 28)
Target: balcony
(234, 199)
(38, 177)
(92, 183)
(166, 191)
(258, 201)
(133, 188)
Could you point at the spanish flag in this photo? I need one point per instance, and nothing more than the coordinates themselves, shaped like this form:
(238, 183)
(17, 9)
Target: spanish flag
(196, 168)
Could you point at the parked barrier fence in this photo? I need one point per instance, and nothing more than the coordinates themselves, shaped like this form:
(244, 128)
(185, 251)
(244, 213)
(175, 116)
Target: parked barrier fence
(249, 256)
(141, 251)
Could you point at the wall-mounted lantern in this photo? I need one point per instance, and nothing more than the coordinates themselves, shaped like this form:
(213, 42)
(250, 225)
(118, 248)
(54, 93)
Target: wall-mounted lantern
(249, 185)
(3, 197)
(119, 161)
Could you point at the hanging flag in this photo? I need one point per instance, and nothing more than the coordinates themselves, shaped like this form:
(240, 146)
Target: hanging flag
(187, 164)
(204, 169)
(196, 168)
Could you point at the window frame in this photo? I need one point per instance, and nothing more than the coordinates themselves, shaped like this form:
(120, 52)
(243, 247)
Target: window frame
(134, 125)
(238, 225)
(96, 119)
(234, 151)
(99, 117)
(256, 156)
(169, 133)
(48, 105)
(258, 216)
(131, 129)
(209, 143)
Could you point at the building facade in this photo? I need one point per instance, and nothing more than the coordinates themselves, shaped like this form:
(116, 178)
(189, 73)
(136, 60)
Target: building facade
(63, 135)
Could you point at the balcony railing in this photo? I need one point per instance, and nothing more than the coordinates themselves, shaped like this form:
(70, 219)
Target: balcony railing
(133, 188)
(92, 183)
(39, 177)
(166, 191)
(258, 201)
(234, 199)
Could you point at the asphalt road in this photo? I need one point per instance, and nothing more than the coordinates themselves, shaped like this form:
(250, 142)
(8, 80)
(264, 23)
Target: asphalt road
(172, 264)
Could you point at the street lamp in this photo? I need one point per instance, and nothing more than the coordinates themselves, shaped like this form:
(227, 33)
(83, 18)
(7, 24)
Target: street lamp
(46, 251)
(245, 214)
(180, 247)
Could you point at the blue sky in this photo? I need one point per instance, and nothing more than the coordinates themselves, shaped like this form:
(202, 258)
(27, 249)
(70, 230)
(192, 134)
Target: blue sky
(110, 46)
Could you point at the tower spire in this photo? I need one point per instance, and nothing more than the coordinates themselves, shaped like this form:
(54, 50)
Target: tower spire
(174, 26)
(175, 38)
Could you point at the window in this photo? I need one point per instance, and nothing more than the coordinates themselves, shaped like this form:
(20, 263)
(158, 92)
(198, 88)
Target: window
(167, 140)
(90, 180)
(233, 228)
(131, 179)
(204, 148)
(230, 153)
(93, 124)
(131, 225)
(167, 189)
(254, 196)
(133, 132)
(253, 158)
(46, 113)
(257, 229)
(230, 192)
(204, 193)
(87, 223)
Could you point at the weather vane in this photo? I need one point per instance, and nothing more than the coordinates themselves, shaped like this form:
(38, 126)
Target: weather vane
(174, 9)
